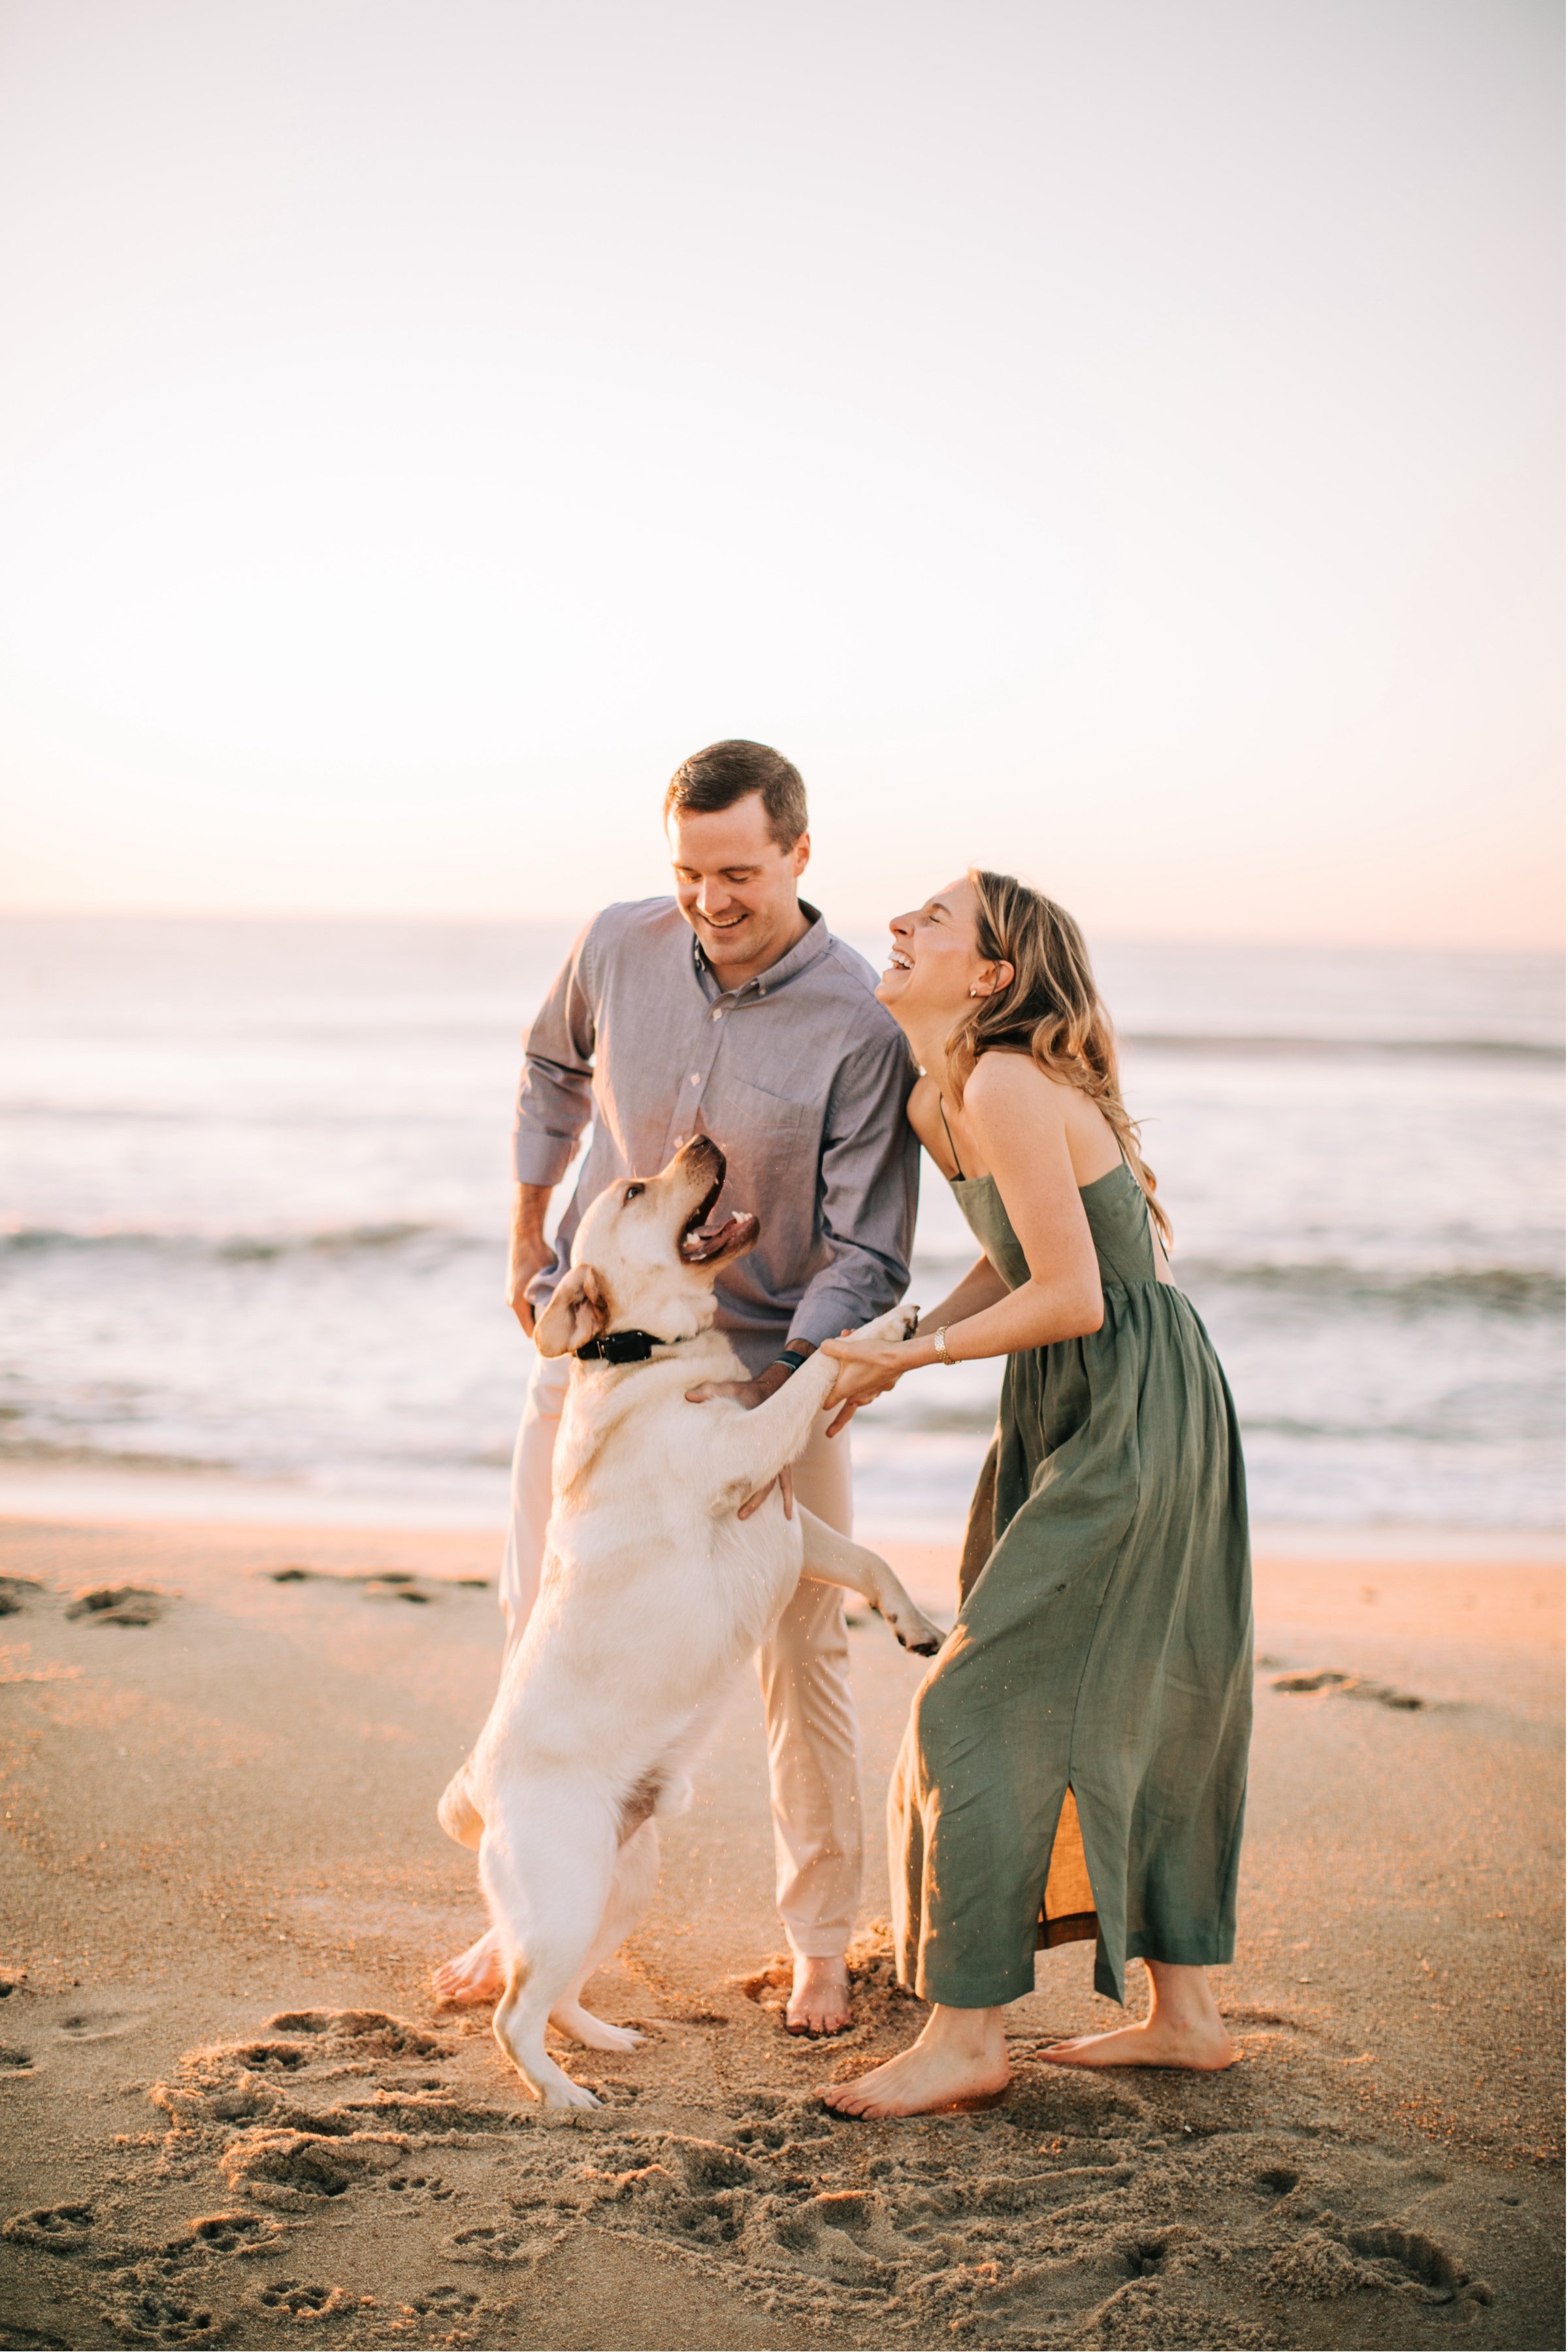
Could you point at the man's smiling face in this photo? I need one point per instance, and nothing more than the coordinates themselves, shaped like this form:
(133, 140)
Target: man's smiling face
(736, 887)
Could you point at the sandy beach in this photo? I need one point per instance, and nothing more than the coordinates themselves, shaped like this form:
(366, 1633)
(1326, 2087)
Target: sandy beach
(233, 2114)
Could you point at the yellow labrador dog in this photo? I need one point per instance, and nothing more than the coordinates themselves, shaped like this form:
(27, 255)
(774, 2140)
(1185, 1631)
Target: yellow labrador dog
(654, 1591)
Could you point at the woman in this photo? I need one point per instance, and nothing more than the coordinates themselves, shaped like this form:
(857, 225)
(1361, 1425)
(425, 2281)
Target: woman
(1075, 1762)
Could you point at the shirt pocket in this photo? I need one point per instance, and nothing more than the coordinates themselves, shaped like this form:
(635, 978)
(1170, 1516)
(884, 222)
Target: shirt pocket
(752, 1124)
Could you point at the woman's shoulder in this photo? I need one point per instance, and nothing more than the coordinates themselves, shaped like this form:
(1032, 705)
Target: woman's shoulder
(1010, 1098)
(1007, 1075)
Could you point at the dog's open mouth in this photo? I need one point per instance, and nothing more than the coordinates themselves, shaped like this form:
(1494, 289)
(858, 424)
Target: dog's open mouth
(702, 1244)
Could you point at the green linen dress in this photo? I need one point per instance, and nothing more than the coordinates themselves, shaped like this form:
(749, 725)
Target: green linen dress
(1103, 1646)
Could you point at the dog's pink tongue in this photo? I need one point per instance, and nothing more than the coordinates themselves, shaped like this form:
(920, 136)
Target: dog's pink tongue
(711, 1238)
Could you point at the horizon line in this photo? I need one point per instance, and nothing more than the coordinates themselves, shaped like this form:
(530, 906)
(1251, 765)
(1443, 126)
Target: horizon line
(846, 927)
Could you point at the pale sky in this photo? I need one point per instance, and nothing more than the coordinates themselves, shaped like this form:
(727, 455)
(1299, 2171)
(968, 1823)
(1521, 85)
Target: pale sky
(1117, 441)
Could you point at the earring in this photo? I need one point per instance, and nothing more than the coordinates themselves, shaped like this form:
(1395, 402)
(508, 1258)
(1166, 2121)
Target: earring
(977, 991)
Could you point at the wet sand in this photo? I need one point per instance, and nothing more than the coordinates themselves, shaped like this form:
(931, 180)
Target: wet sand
(229, 2111)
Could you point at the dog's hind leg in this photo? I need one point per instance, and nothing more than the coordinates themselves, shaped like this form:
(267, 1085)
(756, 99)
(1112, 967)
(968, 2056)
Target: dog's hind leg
(833, 1559)
(547, 1876)
(631, 1891)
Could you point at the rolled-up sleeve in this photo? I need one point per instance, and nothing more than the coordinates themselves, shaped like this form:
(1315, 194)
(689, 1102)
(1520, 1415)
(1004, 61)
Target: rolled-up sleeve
(871, 1176)
(556, 1095)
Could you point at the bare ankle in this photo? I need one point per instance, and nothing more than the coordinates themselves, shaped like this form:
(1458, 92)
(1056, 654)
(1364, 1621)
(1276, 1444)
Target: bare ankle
(966, 2033)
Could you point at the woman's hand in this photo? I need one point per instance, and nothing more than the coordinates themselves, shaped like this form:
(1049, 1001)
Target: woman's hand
(867, 1368)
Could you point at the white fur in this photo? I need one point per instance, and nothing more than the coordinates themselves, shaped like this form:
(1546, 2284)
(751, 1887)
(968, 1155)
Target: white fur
(653, 1593)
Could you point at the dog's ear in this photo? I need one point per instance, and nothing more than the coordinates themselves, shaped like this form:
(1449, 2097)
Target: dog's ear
(577, 1312)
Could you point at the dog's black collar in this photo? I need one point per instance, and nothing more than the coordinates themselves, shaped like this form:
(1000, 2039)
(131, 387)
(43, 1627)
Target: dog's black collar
(622, 1348)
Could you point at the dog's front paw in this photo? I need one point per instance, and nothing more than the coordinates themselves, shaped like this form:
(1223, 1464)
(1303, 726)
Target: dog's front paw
(910, 1626)
(918, 1633)
(897, 1324)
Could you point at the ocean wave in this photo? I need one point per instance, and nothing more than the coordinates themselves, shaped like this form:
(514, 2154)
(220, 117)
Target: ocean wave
(1263, 1046)
(1337, 1282)
(1532, 1419)
(1492, 1290)
(230, 1249)
(1433, 1430)
(81, 1454)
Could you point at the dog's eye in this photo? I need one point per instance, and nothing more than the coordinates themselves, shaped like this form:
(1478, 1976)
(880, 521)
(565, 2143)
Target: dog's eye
(630, 1194)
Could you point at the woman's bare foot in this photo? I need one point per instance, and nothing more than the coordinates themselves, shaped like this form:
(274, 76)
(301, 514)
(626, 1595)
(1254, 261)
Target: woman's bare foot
(819, 1998)
(1145, 2045)
(959, 2060)
(474, 1976)
(1183, 2028)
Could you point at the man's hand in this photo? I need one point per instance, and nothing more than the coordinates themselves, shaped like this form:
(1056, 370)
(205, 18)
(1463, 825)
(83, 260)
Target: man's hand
(750, 1394)
(785, 1482)
(527, 1250)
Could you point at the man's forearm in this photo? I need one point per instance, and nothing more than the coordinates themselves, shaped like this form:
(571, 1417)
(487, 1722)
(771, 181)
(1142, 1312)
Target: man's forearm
(853, 1290)
(788, 1362)
(530, 1207)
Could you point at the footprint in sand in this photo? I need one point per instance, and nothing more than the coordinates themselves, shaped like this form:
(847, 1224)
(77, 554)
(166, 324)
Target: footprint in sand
(301, 2302)
(119, 1605)
(522, 2243)
(457, 2302)
(272, 2057)
(1329, 2262)
(375, 1584)
(375, 2033)
(53, 2229)
(1408, 2260)
(14, 2061)
(97, 2025)
(15, 1591)
(234, 2233)
(1330, 1679)
(293, 2168)
(151, 2315)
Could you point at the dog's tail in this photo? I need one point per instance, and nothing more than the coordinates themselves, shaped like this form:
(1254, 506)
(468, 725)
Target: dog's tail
(458, 1813)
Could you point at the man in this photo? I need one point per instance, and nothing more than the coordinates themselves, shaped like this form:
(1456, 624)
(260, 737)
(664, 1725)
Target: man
(732, 1009)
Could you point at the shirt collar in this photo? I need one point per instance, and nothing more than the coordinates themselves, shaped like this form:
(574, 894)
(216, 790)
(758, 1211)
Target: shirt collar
(814, 942)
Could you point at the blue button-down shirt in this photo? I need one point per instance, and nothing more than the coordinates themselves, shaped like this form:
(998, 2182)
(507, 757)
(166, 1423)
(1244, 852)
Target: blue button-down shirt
(800, 1074)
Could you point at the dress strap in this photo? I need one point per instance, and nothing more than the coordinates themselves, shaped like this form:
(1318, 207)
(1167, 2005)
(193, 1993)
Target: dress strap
(941, 1114)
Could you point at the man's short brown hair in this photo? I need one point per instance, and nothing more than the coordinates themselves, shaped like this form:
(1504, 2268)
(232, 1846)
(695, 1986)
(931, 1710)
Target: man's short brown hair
(726, 772)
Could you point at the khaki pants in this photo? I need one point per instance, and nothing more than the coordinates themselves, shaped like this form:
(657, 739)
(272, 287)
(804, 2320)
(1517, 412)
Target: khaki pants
(813, 1752)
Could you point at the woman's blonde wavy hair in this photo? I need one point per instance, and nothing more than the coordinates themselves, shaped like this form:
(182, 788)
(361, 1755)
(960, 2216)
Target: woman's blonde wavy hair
(1051, 1009)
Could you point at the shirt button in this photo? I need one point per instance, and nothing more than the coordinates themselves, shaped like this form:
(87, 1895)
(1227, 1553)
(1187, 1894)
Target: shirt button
(694, 1080)
(717, 1014)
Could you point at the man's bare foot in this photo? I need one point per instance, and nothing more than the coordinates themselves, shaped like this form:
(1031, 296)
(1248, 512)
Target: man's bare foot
(1183, 2028)
(1157, 2042)
(960, 2060)
(819, 1998)
(474, 1976)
